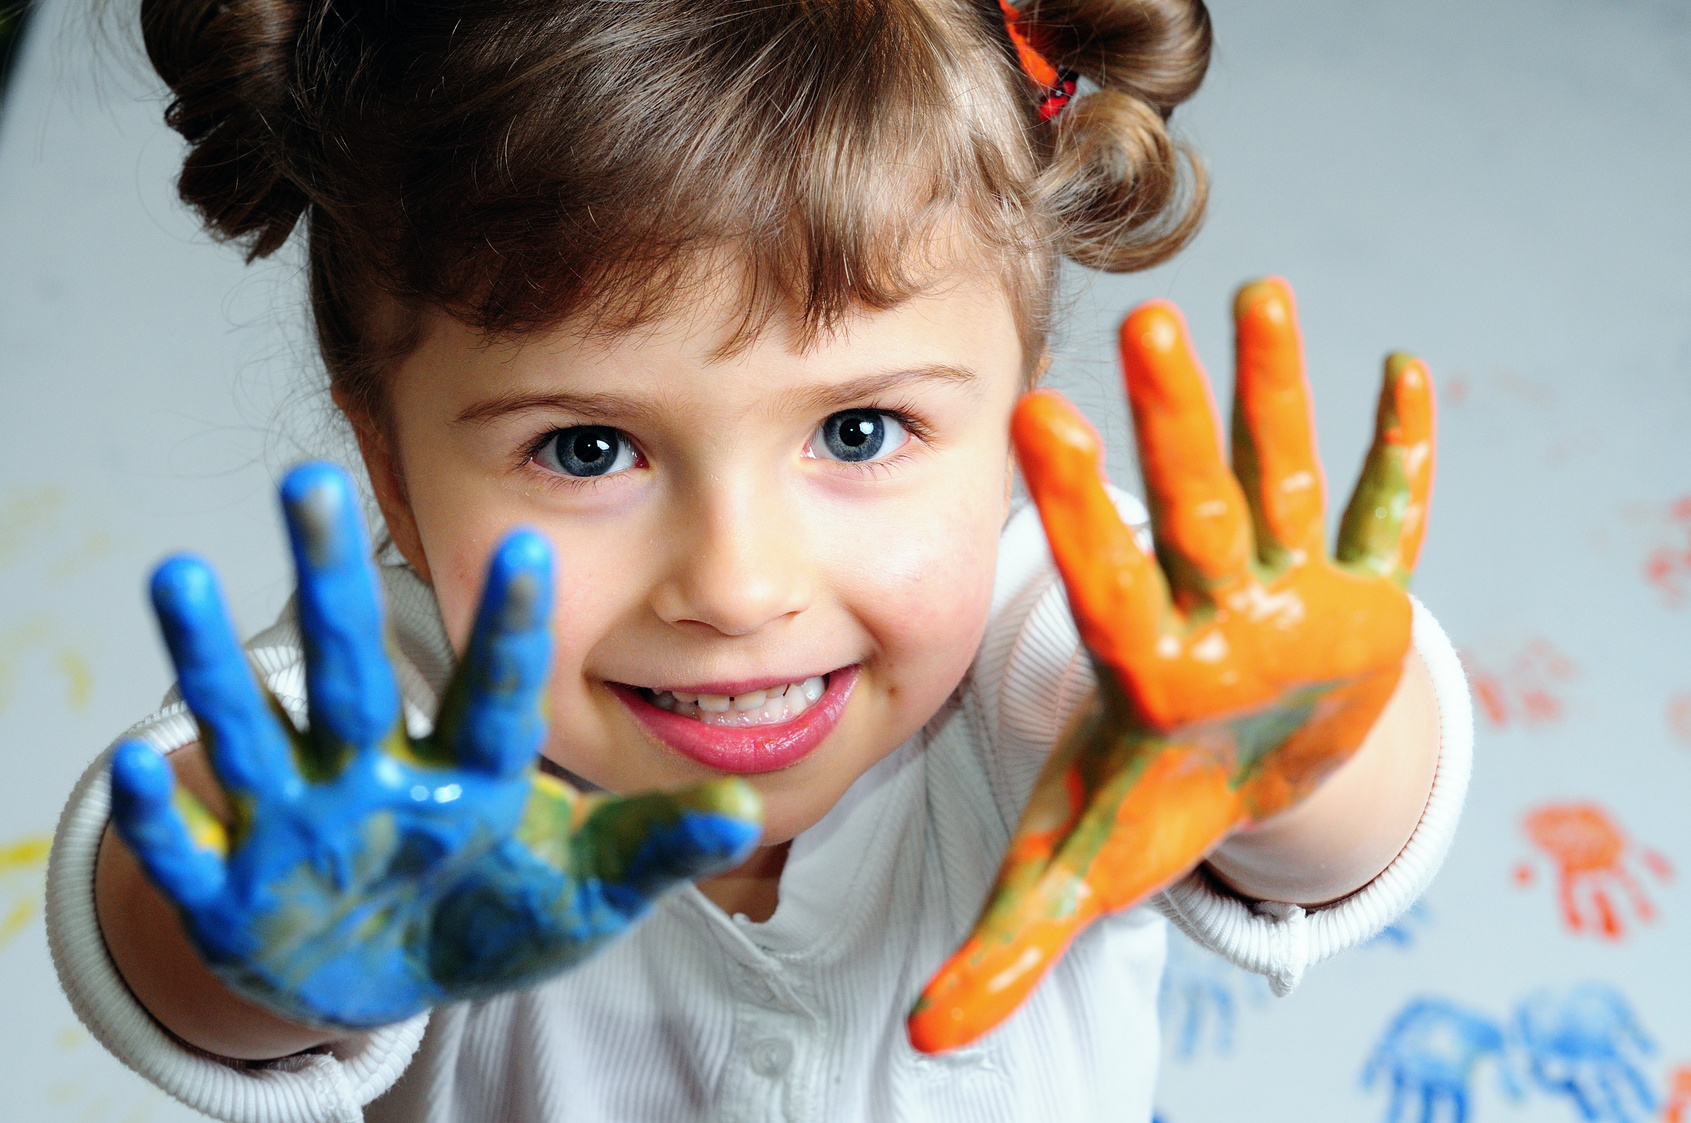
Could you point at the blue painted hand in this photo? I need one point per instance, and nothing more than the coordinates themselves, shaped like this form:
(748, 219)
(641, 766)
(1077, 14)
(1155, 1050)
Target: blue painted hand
(1431, 1052)
(367, 875)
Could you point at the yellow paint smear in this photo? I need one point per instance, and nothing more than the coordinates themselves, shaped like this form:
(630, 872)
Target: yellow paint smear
(23, 856)
(26, 853)
(79, 678)
(23, 514)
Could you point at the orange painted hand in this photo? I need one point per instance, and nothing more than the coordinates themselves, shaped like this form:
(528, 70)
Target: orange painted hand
(1237, 669)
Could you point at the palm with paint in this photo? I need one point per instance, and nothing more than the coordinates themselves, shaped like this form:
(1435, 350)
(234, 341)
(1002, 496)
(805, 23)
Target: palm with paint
(367, 874)
(1237, 669)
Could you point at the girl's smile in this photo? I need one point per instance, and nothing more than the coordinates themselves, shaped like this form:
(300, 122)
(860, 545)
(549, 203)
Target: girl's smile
(749, 727)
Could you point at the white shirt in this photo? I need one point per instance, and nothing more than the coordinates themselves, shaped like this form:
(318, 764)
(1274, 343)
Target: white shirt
(695, 1015)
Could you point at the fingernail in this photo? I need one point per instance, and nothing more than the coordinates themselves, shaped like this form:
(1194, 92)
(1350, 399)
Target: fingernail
(316, 496)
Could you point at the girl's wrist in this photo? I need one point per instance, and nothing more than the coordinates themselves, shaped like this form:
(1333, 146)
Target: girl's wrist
(1353, 826)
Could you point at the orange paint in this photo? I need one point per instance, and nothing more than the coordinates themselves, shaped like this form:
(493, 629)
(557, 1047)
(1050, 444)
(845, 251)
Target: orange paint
(1244, 663)
(1528, 688)
(1677, 1108)
(1591, 852)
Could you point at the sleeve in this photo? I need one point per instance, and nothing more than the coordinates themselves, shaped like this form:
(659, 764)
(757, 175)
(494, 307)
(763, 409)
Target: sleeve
(1279, 940)
(1036, 673)
(329, 1085)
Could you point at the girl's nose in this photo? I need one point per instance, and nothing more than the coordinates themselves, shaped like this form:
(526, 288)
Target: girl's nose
(738, 564)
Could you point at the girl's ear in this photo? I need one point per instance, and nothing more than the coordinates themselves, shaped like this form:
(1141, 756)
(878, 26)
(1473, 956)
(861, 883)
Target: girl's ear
(387, 480)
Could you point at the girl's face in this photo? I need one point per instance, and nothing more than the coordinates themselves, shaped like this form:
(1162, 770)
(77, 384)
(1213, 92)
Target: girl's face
(776, 564)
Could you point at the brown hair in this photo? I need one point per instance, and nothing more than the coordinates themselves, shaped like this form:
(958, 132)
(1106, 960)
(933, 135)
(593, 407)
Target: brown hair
(519, 163)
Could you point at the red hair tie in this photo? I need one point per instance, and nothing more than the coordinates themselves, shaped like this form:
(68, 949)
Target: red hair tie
(1057, 86)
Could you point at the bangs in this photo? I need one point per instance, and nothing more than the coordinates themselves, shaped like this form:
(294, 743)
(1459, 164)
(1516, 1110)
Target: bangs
(842, 155)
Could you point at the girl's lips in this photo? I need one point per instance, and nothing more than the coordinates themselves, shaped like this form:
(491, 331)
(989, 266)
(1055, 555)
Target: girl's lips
(745, 750)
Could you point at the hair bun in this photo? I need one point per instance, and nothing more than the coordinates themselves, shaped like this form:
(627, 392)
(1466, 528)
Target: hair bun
(1126, 195)
(230, 64)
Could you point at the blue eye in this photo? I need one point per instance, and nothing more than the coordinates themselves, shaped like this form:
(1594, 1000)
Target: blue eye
(586, 451)
(858, 435)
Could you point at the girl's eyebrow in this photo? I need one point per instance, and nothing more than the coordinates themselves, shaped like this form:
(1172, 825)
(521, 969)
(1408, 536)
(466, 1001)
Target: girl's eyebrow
(597, 407)
(839, 395)
(609, 407)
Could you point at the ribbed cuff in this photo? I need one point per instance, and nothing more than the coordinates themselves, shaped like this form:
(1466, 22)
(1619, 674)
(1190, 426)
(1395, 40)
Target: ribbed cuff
(1281, 941)
(328, 1086)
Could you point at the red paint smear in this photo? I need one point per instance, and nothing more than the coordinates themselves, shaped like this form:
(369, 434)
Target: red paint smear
(1527, 690)
(1593, 875)
(1679, 716)
(1679, 1096)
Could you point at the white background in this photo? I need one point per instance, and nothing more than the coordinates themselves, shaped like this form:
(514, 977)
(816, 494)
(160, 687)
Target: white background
(1502, 186)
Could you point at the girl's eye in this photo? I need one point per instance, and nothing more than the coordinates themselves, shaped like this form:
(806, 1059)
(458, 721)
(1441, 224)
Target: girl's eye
(586, 451)
(857, 435)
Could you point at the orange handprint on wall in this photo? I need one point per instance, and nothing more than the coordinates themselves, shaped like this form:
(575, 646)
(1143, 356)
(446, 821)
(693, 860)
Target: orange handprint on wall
(1668, 565)
(1677, 1109)
(1525, 690)
(1592, 856)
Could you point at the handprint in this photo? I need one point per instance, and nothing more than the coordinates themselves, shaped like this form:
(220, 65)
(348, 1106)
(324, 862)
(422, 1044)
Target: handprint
(1199, 997)
(366, 875)
(1591, 854)
(1588, 1046)
(1430, 1052)
(1236, 671)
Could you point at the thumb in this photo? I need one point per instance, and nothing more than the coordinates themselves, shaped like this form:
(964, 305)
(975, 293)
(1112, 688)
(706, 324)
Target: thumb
(639, 846)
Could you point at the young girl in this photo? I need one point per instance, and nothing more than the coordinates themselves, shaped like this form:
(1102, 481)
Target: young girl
(732, 305)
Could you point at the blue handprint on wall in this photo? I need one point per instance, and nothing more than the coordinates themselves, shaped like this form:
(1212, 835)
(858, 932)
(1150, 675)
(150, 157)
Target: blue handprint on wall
(1405, 930)
(1588, 1046)
(1200, 996)
(1431, 1052)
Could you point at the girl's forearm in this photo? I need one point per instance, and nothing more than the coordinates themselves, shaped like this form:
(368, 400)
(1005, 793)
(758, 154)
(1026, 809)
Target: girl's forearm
(1350, 829)
(161, 968)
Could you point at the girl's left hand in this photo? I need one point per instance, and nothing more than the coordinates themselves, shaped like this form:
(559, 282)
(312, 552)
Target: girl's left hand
(1237, 670)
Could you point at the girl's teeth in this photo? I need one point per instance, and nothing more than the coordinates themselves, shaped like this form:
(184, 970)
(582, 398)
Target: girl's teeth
(757, 707)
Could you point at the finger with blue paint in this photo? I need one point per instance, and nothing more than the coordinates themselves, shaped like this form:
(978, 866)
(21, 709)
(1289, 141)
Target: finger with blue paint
(366, 874)
(349, 682)
(490, 719)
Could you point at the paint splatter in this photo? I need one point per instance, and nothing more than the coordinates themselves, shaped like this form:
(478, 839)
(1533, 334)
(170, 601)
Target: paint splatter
(1405, 930)
(1199, 1001)
(1593, 862)
(1526, 689)
(1430, 1055)
(1677, 1105)
(1679, 716)
(14, 643)
(24, 514)
(1668, 564)
(21, 863)
(1587, 1046)
(79, 678)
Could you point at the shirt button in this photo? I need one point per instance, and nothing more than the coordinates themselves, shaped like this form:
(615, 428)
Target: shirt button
(763, 989)
(771, 1056)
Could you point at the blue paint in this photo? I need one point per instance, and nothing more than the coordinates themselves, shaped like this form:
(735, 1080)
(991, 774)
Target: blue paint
(349, 684)
(1430, 1053)
(1405, 930)
(1588, 1047)
(370, 875)
(1199, 999)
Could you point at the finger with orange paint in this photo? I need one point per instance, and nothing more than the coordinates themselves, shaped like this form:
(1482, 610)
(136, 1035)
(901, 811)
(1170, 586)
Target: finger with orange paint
(1273, 427)
(1198, 515)
(1387, 516)
(1236, 672)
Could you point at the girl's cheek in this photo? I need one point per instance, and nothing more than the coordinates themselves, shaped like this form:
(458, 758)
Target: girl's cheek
(931, 592)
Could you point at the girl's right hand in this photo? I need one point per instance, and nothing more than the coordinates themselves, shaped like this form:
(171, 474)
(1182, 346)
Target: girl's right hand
(367, 875)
